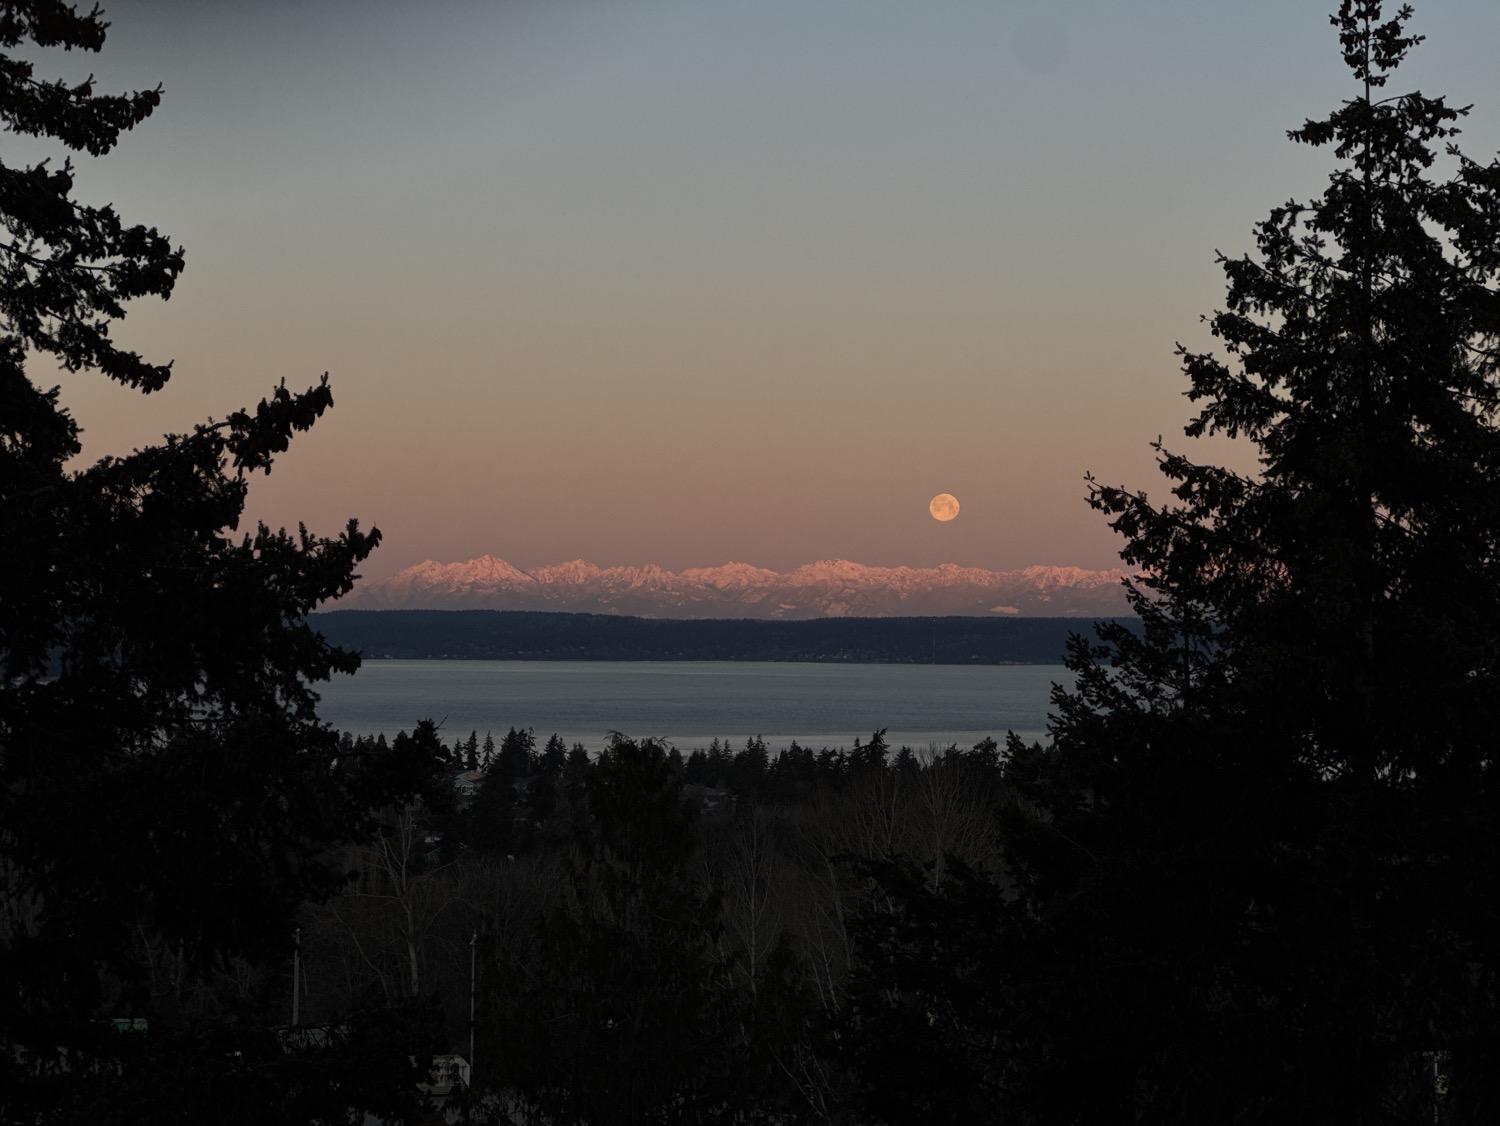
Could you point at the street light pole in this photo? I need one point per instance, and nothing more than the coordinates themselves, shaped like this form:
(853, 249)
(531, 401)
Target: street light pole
(473, 960)
(297, 977)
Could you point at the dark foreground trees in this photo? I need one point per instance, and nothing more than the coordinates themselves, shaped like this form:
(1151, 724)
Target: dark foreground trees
(167, 793)
(1254, 874)
(619, 1008)
(1252, 878)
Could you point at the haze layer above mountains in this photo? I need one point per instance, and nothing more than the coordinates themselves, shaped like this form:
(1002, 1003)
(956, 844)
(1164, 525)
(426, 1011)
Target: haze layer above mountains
(829, 588)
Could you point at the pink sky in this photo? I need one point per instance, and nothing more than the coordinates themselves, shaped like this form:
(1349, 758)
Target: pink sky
(713, 281)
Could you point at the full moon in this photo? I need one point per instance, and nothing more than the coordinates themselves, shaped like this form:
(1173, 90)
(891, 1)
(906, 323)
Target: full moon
(944, 507)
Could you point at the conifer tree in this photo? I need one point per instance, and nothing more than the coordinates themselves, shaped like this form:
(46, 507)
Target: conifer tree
(1299, 755)
(626, 1013)
(491, 818)
(1253, 873)
(163, 771)
(542, 797)
(517, 751)
(871, 755)
(487, 754)
(554, 755)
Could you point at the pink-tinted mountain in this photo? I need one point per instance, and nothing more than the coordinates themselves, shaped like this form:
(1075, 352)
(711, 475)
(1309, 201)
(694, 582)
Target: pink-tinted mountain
(829, 588)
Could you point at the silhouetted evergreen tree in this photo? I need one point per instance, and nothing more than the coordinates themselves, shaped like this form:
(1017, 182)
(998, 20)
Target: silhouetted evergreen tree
(695, 770)
(927, 1028)
(833, 763)
(795, 765)
(162, 768)
(576, 771)
(517, 750)
(491, 814)
(718, 763)
(625, 1012)
(869, 755)
(987, 752)
(542, 798)
(1254, 872)
(554, 755)
(748, 768)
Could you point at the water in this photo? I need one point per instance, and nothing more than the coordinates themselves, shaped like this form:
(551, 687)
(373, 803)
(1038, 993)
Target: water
(691, 702)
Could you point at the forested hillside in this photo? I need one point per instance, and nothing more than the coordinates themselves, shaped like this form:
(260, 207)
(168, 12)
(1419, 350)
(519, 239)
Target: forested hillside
(648, 936)
(499, 635)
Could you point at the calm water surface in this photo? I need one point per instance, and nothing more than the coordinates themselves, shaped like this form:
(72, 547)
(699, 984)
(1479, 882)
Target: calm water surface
(691, 702)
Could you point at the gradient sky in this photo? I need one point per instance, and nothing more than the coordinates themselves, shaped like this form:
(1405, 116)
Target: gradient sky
(683, 282)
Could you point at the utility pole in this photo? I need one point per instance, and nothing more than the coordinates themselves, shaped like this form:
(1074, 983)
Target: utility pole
(297, 977)
(473, 959)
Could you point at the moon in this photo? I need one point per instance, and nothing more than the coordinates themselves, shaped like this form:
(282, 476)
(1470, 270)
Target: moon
(944, 507)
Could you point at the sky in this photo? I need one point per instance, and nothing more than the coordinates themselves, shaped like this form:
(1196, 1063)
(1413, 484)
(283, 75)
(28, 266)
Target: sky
(689, 281)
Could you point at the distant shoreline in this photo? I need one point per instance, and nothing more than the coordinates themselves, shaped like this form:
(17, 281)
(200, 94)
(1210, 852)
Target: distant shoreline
(498, 635)
(367, 657)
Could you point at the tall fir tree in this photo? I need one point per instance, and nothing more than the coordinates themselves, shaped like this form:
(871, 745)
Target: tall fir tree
(163, 771)
(1252, 875)
(517, 752)
(625, 1012)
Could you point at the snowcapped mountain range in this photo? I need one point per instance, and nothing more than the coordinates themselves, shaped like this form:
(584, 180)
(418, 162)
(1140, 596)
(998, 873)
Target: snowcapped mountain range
(829, 588)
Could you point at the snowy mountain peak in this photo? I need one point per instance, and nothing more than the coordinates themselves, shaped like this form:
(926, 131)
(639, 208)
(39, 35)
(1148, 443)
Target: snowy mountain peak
(826, 588)
(730, 576)
(573, 571)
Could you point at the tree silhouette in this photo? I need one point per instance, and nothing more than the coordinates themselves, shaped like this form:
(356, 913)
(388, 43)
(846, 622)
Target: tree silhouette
(517, 751)
(625, 1011)
(162, 767)
(1252, 877)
